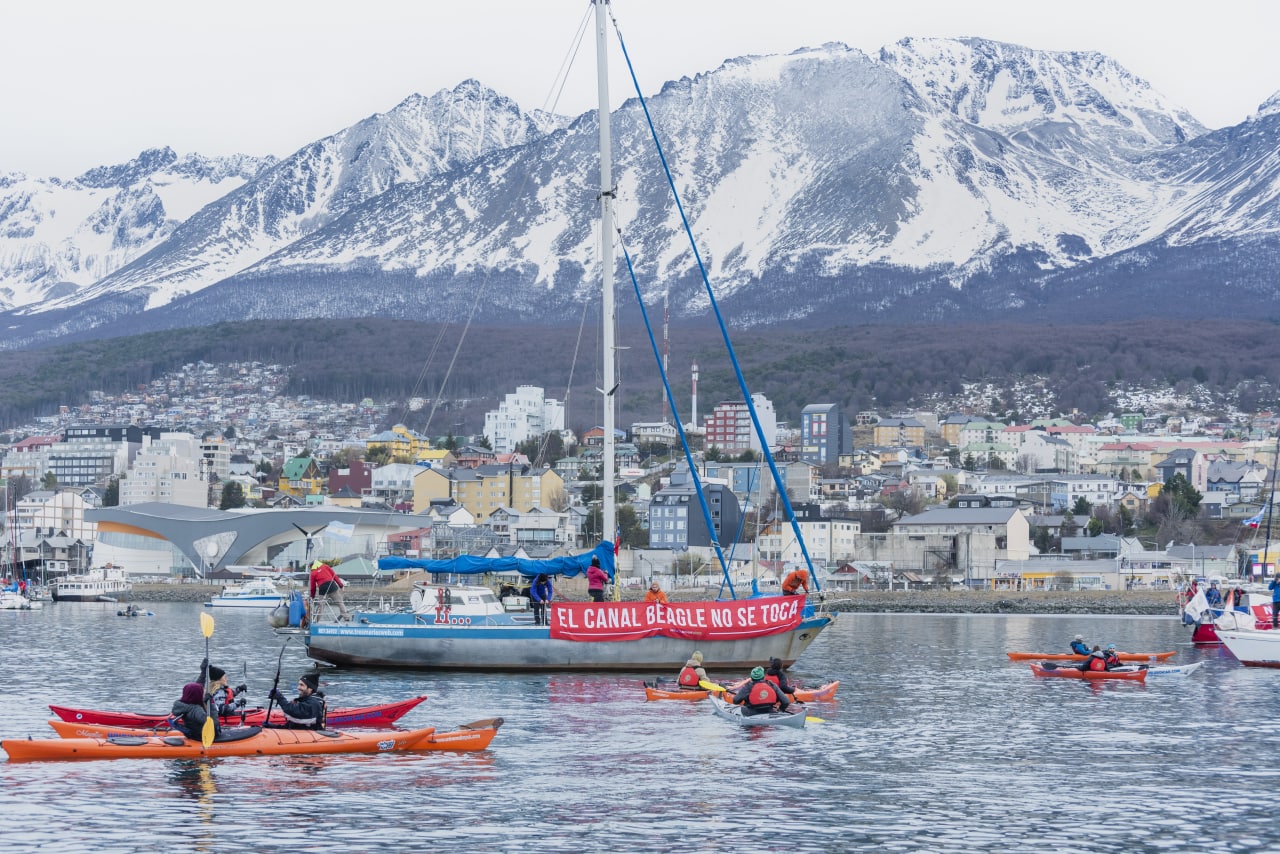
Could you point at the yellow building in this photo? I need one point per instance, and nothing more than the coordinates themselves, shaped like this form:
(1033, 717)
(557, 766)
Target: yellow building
(399, 442)
(487, 488)
(299, 478)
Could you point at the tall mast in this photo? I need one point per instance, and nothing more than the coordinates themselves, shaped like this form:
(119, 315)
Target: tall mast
(609, 516)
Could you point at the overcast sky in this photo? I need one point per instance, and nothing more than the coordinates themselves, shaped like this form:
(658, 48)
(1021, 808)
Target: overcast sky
(87, 82)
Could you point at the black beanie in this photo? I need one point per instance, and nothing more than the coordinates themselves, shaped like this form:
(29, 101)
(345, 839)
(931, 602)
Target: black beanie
(312, 680)
(216, 673)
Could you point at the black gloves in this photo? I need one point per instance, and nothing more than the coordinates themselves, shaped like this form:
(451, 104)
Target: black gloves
(241, 688)
(275, 695)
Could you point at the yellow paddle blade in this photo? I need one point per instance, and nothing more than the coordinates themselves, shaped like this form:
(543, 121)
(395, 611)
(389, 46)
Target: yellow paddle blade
(812, 720)
(206, 625)
(710, 686)
(206, 734)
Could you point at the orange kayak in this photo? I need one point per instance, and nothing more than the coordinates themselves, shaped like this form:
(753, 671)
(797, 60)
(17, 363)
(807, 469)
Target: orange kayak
(803, 695)
(110, 743)
(1071, 656)
(1073, 673)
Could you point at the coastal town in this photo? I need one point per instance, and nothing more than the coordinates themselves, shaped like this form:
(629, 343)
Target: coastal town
(903, 500)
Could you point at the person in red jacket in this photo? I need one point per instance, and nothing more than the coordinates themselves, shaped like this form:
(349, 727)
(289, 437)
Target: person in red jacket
(325, 584)
(596, 578)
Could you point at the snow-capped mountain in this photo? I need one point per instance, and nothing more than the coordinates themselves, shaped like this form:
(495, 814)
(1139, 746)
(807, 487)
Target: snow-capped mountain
(58, 236)
(419, 138)
(939, 179)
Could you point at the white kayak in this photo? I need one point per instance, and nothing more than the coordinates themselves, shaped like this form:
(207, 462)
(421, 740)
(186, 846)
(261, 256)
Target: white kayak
(1173, 669)
(728, 711)
(1160, 669)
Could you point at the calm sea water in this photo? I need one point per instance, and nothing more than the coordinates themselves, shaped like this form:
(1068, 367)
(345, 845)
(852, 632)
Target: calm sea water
(936, 743)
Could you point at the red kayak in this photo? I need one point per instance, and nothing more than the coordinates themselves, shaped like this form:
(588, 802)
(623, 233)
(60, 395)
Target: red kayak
(1069, 672)
(383, 714)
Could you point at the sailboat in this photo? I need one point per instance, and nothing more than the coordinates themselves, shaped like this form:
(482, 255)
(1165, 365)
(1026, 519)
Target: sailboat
(1246, 610)
(457, 626)
(1250, 637)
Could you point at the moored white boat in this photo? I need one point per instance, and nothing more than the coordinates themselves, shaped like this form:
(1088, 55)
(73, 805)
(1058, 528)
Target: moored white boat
(1253, 647)
(13, 601)
(254, 593)
(103, 584)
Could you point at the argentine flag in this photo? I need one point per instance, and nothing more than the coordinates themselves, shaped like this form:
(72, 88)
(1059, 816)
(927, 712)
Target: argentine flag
(340, 531)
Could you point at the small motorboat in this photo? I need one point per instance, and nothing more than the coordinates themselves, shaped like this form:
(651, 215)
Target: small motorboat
(1048, 668)
(793, 718)
(382, 714)
(1071, 656)
(242, 741)
(132, 611)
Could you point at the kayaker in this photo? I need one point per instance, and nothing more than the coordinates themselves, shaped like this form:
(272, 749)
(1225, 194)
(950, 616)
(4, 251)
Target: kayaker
(775, 674)
(223, 699)
(692, 675)
(655, 594)
(1110, 657)
(540, 594)
(325, 584)
(760, 696)
(1095, 661)
(189, 714)
(307, 710)
(796, 579)
(1079, 647)
(596, 578)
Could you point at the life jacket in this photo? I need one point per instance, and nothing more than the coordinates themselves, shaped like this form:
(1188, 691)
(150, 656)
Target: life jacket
(773, 677)
(1097, 662)
(688, 677)
(1111, 659)
(763, 693)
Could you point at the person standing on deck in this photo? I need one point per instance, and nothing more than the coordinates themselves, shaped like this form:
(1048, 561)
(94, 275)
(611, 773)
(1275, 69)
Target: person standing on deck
(325, 584)
(1274, 587)
(540, 593)
(596, 578)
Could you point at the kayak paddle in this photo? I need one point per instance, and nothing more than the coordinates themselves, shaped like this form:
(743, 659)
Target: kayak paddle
(206, 629)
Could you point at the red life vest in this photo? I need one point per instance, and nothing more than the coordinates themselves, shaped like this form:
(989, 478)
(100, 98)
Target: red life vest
(773, 677)
(688, 677)
(763, 693)
(1097, 663)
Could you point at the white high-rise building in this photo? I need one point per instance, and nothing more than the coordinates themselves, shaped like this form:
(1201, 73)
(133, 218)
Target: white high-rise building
(168, 470)
(526, 414)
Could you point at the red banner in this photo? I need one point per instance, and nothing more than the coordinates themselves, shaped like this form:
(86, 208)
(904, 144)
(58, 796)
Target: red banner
(623, 621)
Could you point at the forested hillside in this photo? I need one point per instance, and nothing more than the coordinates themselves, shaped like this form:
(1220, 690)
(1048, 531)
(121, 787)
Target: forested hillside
(860, 367)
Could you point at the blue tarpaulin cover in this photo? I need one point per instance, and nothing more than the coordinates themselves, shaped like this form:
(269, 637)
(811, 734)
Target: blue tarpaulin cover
(569, 566)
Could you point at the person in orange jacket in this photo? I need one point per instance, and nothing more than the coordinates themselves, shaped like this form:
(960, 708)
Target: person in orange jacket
(655, 594)
(796, 579)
